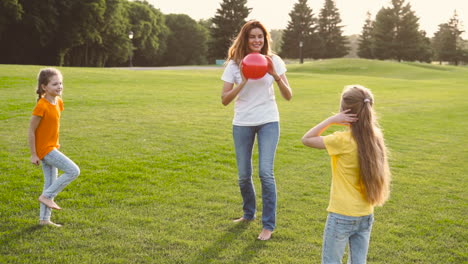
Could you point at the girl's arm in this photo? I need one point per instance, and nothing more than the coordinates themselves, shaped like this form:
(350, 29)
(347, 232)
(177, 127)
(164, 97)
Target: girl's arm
(35, 120)
(281, 80)
(313, 139)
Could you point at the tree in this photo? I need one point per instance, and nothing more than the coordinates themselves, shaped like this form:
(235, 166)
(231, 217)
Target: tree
(10, 11)
(38, 22)
(227, 22)
(447, 43)
(186, 42)
(365, 39)
(80, 26)
(335, 44)
(150, 33)
(408, 40)
(301, 28)
(276, 40)
(396, 34)
(383, 34)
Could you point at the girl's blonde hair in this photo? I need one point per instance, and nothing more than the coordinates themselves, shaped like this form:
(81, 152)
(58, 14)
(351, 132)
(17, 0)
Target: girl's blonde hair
(373, 162)
(240, 47)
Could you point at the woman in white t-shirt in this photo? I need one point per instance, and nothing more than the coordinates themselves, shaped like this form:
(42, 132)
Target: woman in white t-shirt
(256, 114)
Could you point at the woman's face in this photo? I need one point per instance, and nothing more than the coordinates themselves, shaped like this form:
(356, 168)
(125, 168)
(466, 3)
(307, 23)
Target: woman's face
(256, 40)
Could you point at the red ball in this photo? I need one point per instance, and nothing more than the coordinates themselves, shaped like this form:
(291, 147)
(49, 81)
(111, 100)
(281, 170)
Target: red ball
(254, 66)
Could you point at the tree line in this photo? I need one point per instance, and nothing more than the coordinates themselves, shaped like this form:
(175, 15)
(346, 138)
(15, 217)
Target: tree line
(110, 33)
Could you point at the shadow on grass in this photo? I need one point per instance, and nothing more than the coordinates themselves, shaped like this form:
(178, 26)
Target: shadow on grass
(10, 237)
(211, 253)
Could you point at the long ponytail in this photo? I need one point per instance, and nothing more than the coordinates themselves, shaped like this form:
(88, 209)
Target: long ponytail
(373, 160)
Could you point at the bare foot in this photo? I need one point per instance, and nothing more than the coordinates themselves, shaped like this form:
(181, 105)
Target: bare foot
(242, 219)
(265, 234)
(48, 222)
(49, 203)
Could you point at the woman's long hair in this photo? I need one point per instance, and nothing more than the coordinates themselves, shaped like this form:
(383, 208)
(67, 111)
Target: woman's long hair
(240, 47)
(373, 162)
(43, 78)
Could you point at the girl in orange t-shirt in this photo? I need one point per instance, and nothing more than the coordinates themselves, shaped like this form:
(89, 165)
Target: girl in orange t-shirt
(43, 138)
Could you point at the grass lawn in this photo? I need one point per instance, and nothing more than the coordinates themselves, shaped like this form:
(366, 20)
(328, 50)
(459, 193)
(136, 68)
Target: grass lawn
(158, 179)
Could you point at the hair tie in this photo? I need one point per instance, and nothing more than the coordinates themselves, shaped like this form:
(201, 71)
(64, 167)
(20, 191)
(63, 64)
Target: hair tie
(367, 100)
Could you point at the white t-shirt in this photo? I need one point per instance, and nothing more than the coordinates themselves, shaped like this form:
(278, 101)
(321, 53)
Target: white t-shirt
(255, 104)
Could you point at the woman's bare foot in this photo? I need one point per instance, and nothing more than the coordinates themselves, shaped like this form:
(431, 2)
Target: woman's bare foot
(265, 234)
(242, 219)
(48, 222)
(49, 203)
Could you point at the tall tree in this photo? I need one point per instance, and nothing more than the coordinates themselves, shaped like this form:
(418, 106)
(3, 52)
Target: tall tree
(301, 28)
(10, 11)
(227, 22)
(38, 22)
(408, 39)
(447, 42)
(365, 39)
(396, 34)
(150, 33)
(330, 31)
(80, 23)
(383, 35)
(186, 42)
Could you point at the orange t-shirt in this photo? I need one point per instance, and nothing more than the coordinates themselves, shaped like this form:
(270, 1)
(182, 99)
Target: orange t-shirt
(47, 133)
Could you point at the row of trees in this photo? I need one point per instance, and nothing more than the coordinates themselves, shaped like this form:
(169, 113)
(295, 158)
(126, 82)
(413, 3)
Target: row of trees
(395, 34)
(96, 33)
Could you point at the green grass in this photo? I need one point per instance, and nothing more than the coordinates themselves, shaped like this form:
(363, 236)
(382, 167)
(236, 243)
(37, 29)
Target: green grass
(158, 179)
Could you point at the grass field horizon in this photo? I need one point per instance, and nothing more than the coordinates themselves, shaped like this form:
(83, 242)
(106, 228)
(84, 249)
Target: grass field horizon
(158, 179)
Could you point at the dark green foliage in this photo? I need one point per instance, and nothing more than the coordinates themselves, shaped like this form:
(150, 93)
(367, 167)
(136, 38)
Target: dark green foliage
(10, 11)
(447, 43)
(150, 33)
(227, 22)
(396, 34)
(335, 44)
(186, 43)
(365, 39)
(301, 27)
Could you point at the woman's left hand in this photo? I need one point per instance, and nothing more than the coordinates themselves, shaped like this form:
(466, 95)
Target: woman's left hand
(271, 67)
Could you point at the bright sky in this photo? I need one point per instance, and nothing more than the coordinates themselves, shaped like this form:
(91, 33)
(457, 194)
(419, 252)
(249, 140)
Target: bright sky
(275, 13)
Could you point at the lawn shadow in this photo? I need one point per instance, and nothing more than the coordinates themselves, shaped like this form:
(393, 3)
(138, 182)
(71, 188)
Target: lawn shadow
(211, 253)
(6, 239)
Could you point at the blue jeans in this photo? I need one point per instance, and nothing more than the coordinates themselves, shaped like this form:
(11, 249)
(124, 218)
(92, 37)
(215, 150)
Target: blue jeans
(267, 137)
(341, 230)
(53, 161)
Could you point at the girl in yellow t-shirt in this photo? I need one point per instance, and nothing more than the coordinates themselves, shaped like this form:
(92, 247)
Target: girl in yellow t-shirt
(360, 174)
(43, 138)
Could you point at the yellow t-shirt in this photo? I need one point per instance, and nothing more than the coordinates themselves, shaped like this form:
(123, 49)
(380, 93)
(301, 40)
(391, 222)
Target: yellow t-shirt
(47, 132)
(347, 194)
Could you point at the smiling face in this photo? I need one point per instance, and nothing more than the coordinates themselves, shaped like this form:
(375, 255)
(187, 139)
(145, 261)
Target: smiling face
(55, 86)
(256, 40)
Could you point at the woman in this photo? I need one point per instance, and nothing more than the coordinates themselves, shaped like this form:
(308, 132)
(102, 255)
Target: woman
(256, 114)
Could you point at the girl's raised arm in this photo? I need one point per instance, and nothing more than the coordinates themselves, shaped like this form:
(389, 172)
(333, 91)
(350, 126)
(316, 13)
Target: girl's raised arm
(313, 139)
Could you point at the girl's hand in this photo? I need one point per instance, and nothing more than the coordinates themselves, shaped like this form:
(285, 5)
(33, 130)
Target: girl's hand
(343, 118)
(35, 160)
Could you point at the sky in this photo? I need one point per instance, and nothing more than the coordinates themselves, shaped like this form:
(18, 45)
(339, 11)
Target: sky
(274, 14)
